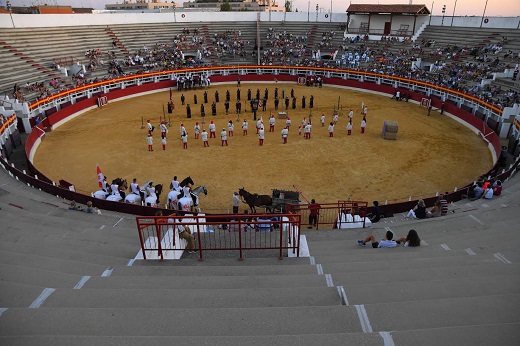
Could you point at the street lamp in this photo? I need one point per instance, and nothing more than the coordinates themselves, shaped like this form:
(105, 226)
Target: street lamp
(443, 12)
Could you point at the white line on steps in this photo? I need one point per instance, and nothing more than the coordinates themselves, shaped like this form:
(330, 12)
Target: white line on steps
(313, 262)
(474, 218)
(504, 205)
(102, 226)
(328, 278)
(131, 262)
(44, 295)
(121, 219)
(501, 258)
(387, 339)
(342, 294)
(470, 252)
(363, 318)
(424, 242)
(319, 268)
(445, 247)
(81, 282)
(107, 272)
(2, 310)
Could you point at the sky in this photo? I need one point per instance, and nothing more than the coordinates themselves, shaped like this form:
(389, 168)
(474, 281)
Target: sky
(463, 7)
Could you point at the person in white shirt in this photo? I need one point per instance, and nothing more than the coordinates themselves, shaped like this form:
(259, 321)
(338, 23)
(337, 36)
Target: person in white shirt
(488, 193)
(134, 187)
(288, 123)
(212, 130)
(386, 242)
(349, 127)
(245, 125)
(204, 137)
(196, 130)
(164, 129)
(261, 135)
(272, 122)
(363, 125)
(322, 119)
(184, 139)
(351, 114)
(259, 123)
(231, 128)
(285, 134)
(174, 185)
(149, 140)
(307, 131)
(182, 129)
(223, 137)
(331, 129)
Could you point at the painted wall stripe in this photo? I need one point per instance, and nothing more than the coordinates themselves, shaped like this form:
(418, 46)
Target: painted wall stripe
(343, 295)
(320, 269)
(313, 262)
(131, 262)
(2, 310)
(107, 272)
(43, 296)
(387, 339)
(445, 247)
(81, 282)
(474, 218)
(363, 319)
(501, 258)
(328, 278)
(470, 252)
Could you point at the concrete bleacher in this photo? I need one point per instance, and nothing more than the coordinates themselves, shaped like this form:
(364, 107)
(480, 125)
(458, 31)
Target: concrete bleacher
(72, 275)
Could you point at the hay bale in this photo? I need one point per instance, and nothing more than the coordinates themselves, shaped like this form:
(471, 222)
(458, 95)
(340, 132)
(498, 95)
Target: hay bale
(390, 135)
(391, 126)
(282, 115)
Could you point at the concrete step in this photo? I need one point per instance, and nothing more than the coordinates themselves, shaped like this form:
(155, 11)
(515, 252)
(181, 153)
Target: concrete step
(430, 290)
(274, 340)
(232, 262)
(180, 322)
(444, 313)
(490, 334)
(217, 282)
(403, 264)
(37, 277)
(380, 276)
(175, 268)
(201, 298)
(52, 264)
(18, 295)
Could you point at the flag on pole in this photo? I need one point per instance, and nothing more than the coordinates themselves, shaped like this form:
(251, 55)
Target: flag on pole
(100, 177)
(170, 94)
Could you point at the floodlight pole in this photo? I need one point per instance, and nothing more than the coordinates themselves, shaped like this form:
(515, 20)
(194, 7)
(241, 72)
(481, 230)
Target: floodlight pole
(453, 15)
(483, 14)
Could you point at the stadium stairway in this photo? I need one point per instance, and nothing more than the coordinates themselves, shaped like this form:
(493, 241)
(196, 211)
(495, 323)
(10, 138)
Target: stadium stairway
(68, 277)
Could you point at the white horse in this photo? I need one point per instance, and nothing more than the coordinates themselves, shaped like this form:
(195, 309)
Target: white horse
(114, 198)
(173, 199)
(132, 198)
(100, 194)
(195, 196)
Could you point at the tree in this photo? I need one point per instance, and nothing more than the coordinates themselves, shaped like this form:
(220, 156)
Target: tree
(288, 6)
(226, 6)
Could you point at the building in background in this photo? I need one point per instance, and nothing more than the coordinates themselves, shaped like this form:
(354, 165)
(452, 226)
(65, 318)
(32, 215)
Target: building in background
(236, 5)
(142, 5)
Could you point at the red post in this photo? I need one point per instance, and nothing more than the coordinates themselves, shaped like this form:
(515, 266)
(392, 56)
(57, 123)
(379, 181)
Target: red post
(141, 237)
(240, 242)
(281, 240)
(159, 246)
(198, 240)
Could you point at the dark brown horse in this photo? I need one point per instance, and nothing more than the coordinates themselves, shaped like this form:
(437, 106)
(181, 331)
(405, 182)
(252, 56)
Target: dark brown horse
(255, 200)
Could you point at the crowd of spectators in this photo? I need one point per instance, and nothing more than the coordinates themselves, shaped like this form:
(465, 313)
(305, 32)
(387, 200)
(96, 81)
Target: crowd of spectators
(229, 44)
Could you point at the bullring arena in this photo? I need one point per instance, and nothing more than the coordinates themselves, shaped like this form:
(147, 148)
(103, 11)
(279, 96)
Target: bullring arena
(432, 153)
(121, 273)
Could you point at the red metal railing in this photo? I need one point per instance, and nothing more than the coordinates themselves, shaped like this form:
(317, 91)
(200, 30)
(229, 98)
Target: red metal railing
(159, 238)
(333, 214)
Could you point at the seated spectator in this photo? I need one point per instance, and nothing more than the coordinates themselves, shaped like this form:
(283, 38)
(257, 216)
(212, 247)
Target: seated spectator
(497, 188)
(488, 193)
(435, 210)
(264, 224)
(375, 216)
(419, 211)
(444, 205)
(479, 191)
(412, 239)
(386, 242)
(74, 206)
(89, 208)
(185, 233)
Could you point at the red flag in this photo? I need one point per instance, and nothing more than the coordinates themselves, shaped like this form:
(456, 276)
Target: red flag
(100, 177)
(170, 94)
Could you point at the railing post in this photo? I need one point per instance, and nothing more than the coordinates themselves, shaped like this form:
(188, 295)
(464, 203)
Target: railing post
(240, 244)
(140, 237)
(198, 239)
(159, 239)
(280, 257)
(299, 234)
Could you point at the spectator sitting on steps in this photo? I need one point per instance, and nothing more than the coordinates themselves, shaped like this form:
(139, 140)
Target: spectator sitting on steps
(386, 242)
(411, 240)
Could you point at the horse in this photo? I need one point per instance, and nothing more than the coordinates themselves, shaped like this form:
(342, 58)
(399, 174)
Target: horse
(152, 198)
(255, 200)
(100, 194)
(123, 185)
(186, 181)
(195, 196)
(132, 198)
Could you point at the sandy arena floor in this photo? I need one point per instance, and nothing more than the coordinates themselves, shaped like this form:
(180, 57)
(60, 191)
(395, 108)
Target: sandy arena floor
(431, 154)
